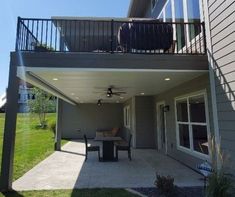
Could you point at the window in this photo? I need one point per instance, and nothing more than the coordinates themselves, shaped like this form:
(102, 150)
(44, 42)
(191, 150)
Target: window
(179, 18)
(168, 12)
(127, 119)
(191, 123)
(193, 10)
(153, 3)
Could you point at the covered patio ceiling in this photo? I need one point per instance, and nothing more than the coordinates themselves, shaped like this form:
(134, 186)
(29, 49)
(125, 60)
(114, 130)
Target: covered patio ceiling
(80, 85)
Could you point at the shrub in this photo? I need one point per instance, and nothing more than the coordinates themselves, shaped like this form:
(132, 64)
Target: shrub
(52, 127)
(165, 184)
(219, 185)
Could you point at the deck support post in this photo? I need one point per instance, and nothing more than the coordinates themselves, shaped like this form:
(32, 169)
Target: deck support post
(9, 130)
(58, 125)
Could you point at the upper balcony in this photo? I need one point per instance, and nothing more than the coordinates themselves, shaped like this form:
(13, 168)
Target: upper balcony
(96, 35)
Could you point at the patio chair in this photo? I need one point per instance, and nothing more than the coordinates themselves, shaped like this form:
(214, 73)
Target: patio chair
(91, 148)
(124, 147)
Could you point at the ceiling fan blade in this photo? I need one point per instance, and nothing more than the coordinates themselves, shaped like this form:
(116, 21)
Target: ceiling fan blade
(119, 92)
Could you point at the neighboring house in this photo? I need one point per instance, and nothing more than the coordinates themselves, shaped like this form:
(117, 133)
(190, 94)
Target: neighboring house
(24, 95)
(169, 82)
(3, 100)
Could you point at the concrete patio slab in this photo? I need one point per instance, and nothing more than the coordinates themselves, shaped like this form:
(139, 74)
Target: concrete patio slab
(67, 170)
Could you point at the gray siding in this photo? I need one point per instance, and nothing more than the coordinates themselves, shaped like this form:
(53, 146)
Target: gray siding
(88, 118)
(194, 85)
(222, 27)
(144, 108)
(142, 122)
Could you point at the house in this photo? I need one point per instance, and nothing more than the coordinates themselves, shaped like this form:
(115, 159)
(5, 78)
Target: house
(25, 94)
(165, 74)
(2, 102)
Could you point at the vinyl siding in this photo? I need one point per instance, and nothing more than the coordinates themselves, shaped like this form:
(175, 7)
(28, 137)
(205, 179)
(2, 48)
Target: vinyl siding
(222, 27)
(88, 118)
(198, 84)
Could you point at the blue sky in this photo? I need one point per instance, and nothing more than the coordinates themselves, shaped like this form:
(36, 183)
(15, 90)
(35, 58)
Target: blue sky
(11, 9)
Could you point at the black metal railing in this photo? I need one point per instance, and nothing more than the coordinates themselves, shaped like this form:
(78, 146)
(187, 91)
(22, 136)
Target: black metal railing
(110, 36)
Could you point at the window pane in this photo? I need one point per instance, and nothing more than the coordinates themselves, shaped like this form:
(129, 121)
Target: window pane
(200, 141)
(182, 110)
(193, 8)
(179, 17)
(153, 3)
(168, 13)
(184, 135)
(197, 109)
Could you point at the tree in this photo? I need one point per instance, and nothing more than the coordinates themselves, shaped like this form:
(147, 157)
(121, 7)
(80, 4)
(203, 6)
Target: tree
(41, 105)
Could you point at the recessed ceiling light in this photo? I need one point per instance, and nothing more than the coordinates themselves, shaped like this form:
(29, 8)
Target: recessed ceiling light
(55, 79)
(142, 93)
(72, 94)
(167, 79)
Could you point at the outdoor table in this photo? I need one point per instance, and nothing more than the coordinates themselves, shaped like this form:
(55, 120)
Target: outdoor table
(108, 147)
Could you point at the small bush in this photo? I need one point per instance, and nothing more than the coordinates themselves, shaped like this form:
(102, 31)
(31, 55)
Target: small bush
(52, 127)
(165, 184)
(219, 185)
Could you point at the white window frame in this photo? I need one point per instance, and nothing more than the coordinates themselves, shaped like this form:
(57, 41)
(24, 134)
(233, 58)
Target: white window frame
(191, 150)
(185, 10)
(127, 117)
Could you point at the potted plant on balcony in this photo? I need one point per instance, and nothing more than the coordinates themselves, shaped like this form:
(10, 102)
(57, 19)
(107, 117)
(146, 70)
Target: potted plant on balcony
(39, 47)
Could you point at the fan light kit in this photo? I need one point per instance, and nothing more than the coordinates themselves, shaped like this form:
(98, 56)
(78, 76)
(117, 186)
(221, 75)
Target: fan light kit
(99, 103)
(167, 79)
(55, 79)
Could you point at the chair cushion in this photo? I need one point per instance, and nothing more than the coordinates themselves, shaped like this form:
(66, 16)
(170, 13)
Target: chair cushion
(99, 134)
(115, 131)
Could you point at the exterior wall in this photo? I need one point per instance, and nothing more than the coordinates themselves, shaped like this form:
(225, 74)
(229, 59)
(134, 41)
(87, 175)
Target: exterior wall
(142, 122)
(194, 85)
(88, 118)
(144, 112)
(222, 25)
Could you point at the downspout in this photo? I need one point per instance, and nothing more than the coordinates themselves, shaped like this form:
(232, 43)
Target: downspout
(212, 83)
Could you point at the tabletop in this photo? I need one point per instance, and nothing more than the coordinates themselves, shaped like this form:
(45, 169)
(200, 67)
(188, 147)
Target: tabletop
(101, 138)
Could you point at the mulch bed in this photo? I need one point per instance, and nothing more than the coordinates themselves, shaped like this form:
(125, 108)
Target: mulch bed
(179, 192)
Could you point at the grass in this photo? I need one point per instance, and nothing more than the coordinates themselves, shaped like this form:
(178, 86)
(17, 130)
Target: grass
(73, 193)
(32, 145)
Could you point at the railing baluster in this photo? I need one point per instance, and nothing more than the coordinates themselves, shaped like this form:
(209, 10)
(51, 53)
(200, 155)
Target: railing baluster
(101, 36)
(75, 35)
(56, 29)
(46, 30)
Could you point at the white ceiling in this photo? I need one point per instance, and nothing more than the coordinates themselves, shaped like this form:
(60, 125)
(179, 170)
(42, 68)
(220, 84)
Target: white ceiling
(87, 86)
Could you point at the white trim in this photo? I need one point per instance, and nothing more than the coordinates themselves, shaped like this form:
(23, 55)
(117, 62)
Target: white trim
(127, 118)
(50, 69)
(191, 150)
(159, 145)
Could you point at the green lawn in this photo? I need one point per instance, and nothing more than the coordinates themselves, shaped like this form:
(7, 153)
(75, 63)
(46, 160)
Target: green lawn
(32, 145)
(73, 193)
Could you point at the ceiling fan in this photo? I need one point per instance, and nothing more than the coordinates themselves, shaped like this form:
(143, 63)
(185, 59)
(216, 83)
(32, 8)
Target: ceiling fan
(113, 91)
